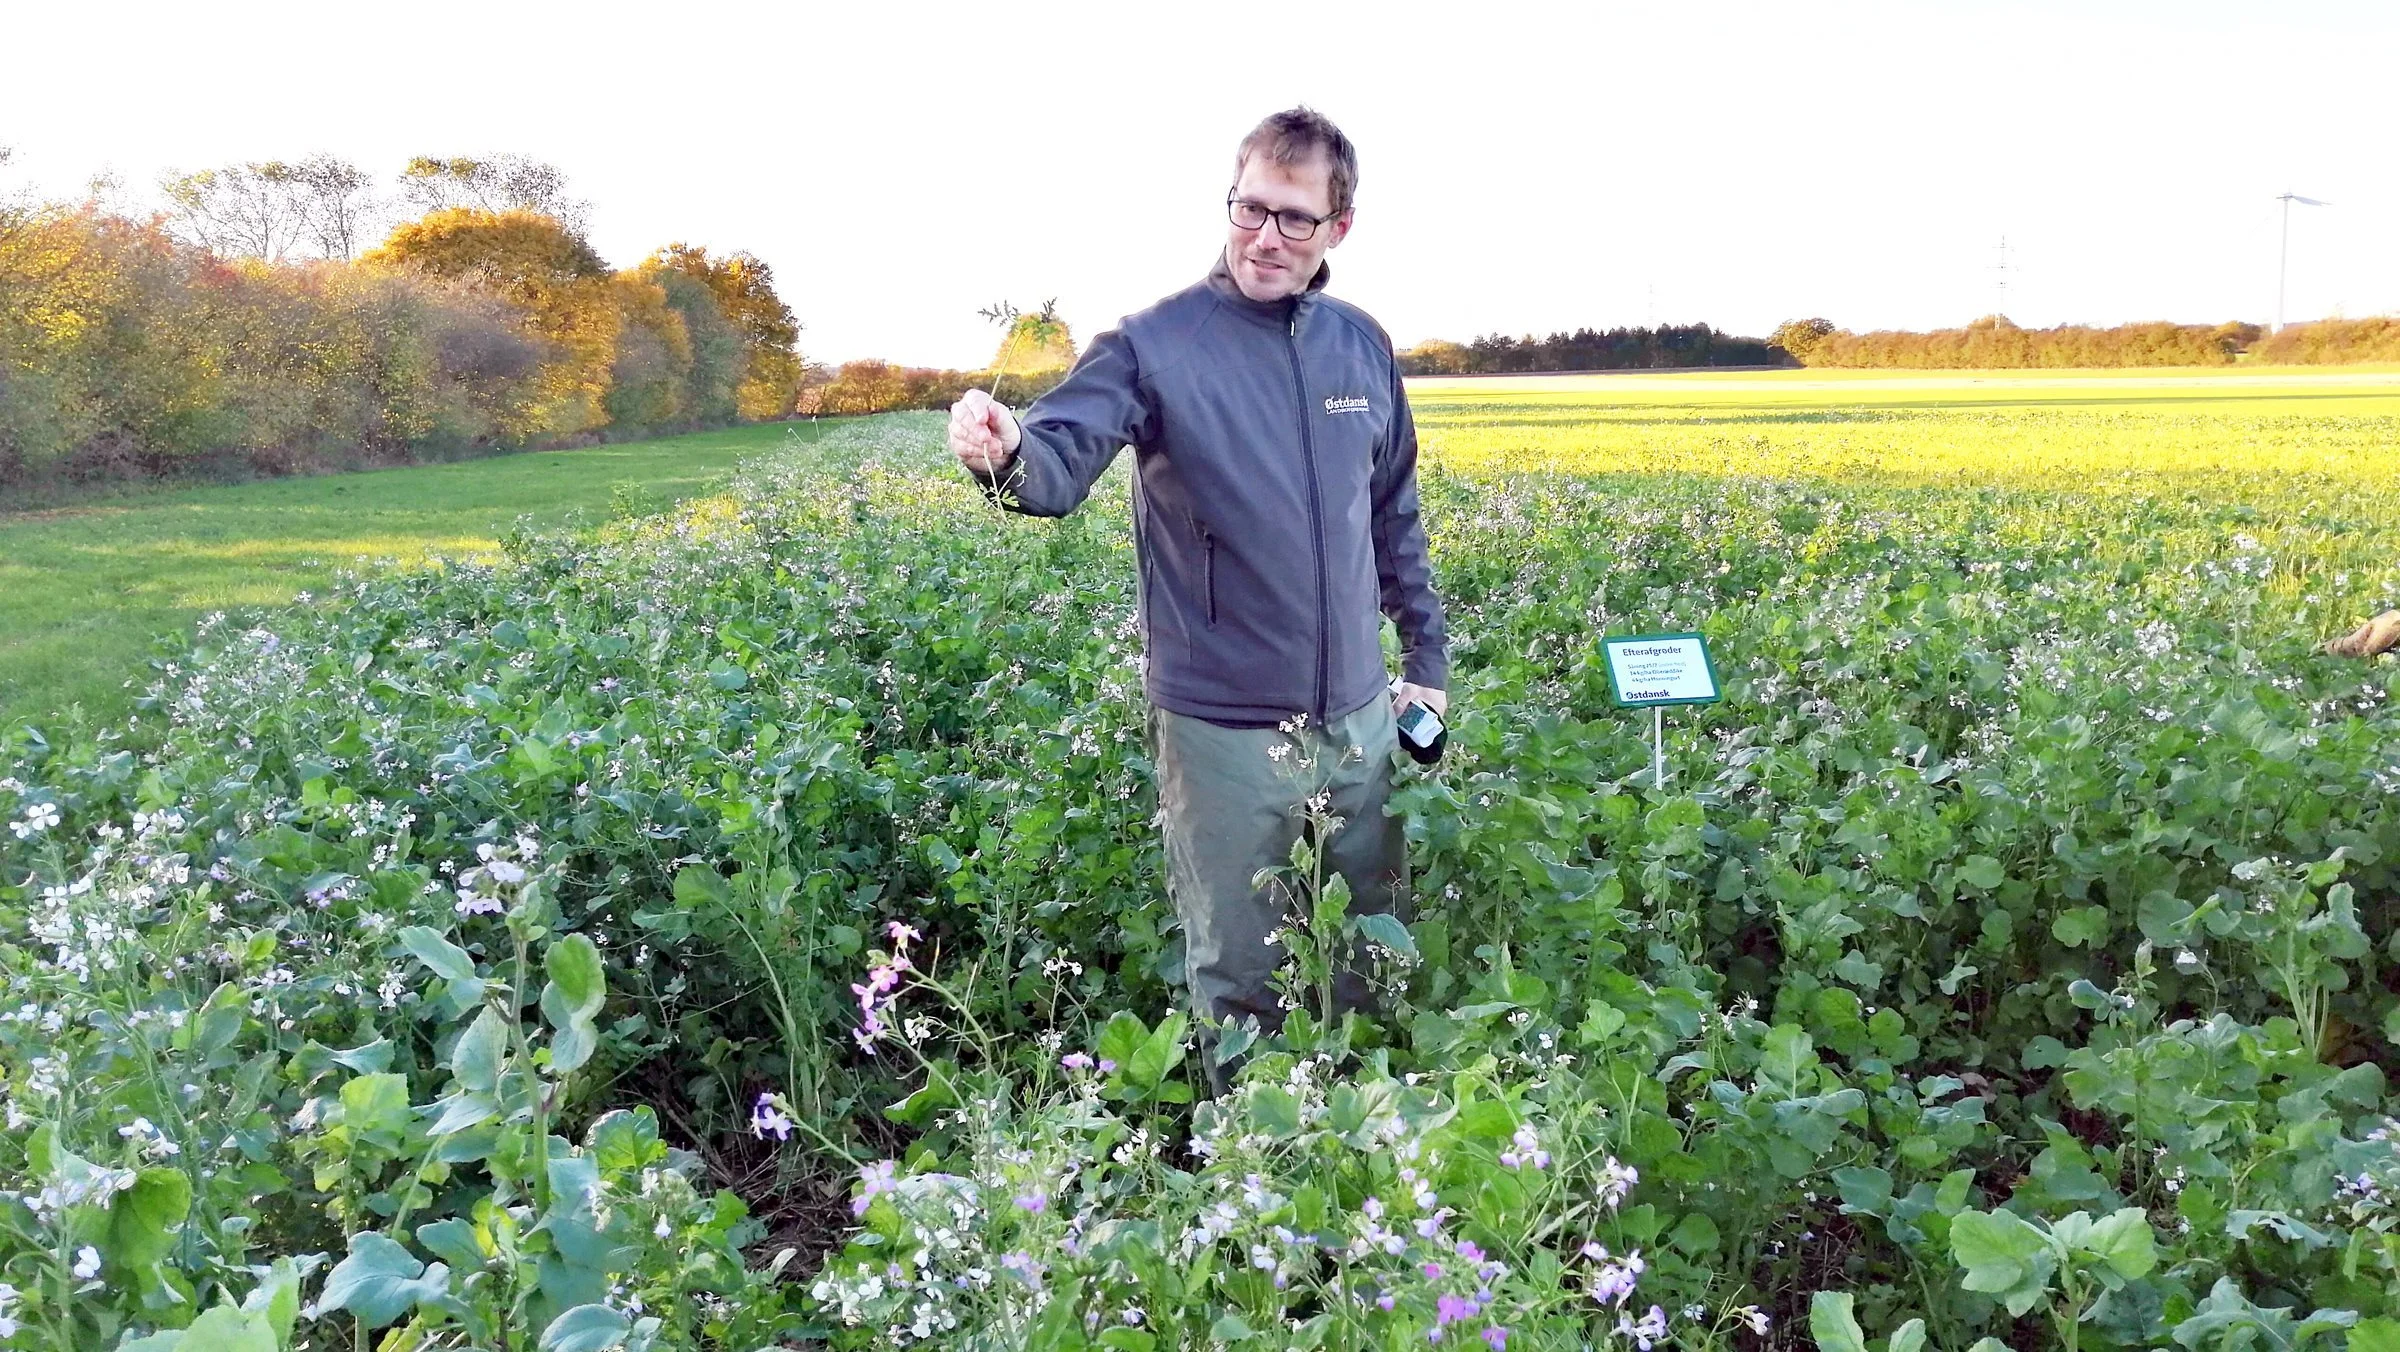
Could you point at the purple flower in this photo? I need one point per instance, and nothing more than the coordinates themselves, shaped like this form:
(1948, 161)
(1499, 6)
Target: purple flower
(766, 1119)
(1495, 1337)
(1035, 1202)
(1433, 1272)
(1076, 1061)
(1385, 1301)
(875, 1180)
(1107, 1067)
(1468, 1251)
(1449, 1310)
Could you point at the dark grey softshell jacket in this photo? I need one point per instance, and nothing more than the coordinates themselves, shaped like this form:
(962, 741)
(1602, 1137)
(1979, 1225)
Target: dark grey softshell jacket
(1274, 500)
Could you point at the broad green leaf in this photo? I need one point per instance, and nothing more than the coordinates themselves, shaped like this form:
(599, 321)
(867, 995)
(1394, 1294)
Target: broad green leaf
(447, 959)
(699, 887)
(1833, 1323)
(141, 1219)
(1909, 1337)
(573, 1036)
(1995, 1247)
(1695, 1234)
(476, 1058)
(586, 1328)
(2123, 1240)
(1159, 1053)
(2081, 926)
(1381, 928)
(379, 1282)
(277, 1300)
(1275, 1110)
(1982, 872)
(226, 1329)
(573, 964)
(376, 1105)
(1120, 1038)
(2376, 1335)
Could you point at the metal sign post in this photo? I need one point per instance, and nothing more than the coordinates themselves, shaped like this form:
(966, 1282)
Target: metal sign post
(1655, 670)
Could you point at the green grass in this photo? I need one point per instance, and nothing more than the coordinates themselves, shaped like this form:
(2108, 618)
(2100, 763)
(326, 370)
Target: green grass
(86, 591)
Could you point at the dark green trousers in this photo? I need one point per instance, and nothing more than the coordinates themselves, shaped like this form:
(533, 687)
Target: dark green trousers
(1232, 804)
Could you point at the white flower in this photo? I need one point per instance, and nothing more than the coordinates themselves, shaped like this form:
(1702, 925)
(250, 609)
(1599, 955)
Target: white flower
(87, 1263)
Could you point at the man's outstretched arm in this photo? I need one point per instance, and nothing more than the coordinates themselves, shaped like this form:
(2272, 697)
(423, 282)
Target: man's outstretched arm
(1046, 464)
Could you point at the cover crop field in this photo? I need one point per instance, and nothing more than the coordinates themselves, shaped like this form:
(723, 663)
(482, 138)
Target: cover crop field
(743, 927)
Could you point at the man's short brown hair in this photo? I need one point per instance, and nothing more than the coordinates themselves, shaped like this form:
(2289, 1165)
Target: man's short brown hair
(1297, 135)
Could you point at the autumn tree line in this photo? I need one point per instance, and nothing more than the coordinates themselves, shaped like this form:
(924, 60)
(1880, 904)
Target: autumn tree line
(297, 315)
(1994, 342)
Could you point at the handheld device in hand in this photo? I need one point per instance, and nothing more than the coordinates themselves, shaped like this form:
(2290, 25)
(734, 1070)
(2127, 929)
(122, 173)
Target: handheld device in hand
(1422, 733)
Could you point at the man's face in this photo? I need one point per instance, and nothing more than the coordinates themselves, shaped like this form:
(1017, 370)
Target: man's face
(1265, 265)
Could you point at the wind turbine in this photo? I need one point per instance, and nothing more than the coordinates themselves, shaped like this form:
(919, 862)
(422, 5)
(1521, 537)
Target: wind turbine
(2284, 254)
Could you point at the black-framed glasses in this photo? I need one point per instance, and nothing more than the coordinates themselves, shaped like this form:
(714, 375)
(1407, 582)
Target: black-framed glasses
(1294, 225)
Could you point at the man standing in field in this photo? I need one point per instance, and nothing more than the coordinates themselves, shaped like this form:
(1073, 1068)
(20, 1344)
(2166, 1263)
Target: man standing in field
(1274, 517)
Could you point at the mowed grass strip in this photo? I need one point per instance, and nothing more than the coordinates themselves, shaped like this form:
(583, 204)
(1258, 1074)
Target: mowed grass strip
(85, 592)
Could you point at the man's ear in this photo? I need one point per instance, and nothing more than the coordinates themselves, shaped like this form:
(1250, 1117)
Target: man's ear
(1341, 227)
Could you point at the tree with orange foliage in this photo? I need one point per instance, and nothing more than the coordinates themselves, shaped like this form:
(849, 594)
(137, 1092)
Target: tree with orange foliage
(537, 261)
(744, 287)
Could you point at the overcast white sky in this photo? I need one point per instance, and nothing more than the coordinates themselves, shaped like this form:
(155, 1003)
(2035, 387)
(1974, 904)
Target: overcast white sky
(1523, 168)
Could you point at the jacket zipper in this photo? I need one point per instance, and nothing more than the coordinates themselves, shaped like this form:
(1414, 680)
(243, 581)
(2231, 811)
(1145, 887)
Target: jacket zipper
(1208, 573)
(1316, 512)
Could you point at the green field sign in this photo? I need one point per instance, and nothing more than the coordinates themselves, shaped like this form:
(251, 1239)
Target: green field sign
(1646, 670)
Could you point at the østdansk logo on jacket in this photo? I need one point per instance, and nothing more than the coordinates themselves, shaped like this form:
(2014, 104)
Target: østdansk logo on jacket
(1348, 403)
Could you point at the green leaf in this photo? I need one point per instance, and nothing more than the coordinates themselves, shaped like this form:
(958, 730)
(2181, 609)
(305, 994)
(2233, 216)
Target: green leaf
(1982, 872)
(379, 1281)
(573, 1036)
(1159, 1053)
(586, 1328)
(1128, 1340)
(1995, 1247)
(2123, 1240)
(455, 1240)
(1833, 1324)
(277, 1300)
(1275, 1110)
(476, 1058)
(574, 967)
(376, 1105)
(1381, 928)
(2081, 926)
(447, 959)
(1909, 1337)
(226, 1329)
(1121, 1037)
(699, 887)
(2376, 1335)
(1695, 1234)
(1229, 1328)
(141, 1218)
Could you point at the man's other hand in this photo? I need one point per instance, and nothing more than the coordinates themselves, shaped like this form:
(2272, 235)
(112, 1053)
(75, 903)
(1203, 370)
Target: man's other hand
(983, 433)
(1436, 700)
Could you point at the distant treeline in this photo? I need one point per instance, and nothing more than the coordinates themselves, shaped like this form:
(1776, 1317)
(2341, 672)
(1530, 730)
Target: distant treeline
(2331, 342)
(1036, 351)
(880, 387)
(233, 327)
(1994, 342)
(1674, 345)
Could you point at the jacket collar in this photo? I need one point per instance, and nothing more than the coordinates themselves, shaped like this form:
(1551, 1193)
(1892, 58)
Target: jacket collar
(1291, 311)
